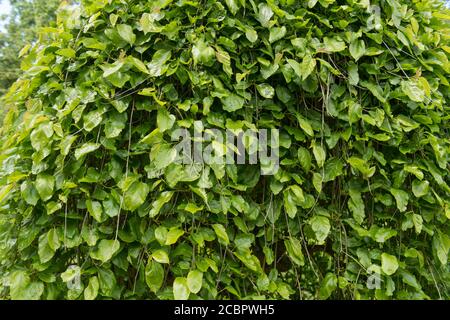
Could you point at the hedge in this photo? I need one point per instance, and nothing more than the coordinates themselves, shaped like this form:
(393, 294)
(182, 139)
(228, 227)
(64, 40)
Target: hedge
(93, 204)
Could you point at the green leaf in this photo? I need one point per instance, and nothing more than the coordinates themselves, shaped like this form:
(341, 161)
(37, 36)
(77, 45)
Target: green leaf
(353, 74)
(221, 233)
(441, 247)
(401, 198)
(111, 69)
(335, 44)
(173, 235)
(107, 282)
(18, 282)
(157, 205)
(327, 286)
(249, 260)
(53, 239)
(224, 58)
(298, 193)
(71, 273)
(362, 166)
(412, 90)
(265, 90)
(85, 149)
(105, 250)
(113, 19)
(162, 155)
(333, 169)
(389, 264)
(45, 252)
(277, 33)
(138, 64)
(317, 181)
(66, 52)
(420, 188)
(304, 156)
(233, 102)
(265, 13)
(294, 250)
(410, 280)
(45, 185)
(354, 112)
(21, 288)
(92, 43)
(157, 66)
(119, 79)
(195, 281)
(356, 205)
(120, 105)
(290, 204)
(111, 208)
(40, 137)
(115, 125)
(376, 90)
(251, 35)
(233, 6)
(126, 33)
(95, 209)
(306, 126)
(165, 120)
(357, 49)
(381, 235)
(135, 196)
(161, 235)
(66, 143)
(418, 222)
(89, 235)
(91, 291)
(160, 256)
(321, 227)
(28, 191)
(296, 67)
(148, 24)
(154, 275)
(307, 67)
(203, 54)
(319, 154)
(52, 207)
(191, 207)
(180, 289)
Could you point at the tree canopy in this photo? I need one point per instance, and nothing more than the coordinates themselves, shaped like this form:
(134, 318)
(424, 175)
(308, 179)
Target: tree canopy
(21, 27)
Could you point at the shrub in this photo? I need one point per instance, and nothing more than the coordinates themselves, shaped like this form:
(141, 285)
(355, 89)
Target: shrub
(93, 204)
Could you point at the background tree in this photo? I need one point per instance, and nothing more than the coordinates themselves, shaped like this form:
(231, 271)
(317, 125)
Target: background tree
(22, 27)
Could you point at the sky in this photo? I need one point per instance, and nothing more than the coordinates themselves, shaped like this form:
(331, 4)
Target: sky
(4, 7)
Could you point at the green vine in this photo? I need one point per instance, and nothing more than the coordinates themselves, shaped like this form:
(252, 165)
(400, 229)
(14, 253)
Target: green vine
(93, 205)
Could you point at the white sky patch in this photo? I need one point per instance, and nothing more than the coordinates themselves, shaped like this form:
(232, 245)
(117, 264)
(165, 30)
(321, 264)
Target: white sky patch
(5, 9)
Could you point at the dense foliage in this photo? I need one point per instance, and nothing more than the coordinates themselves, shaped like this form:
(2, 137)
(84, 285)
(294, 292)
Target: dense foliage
(21, 28)
(89, 186)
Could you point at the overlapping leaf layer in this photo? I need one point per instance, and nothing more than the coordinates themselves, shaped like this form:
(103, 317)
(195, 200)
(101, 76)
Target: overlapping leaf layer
(92, 204)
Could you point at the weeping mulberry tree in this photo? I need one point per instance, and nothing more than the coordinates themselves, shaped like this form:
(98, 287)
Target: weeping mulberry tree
(93, 204)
